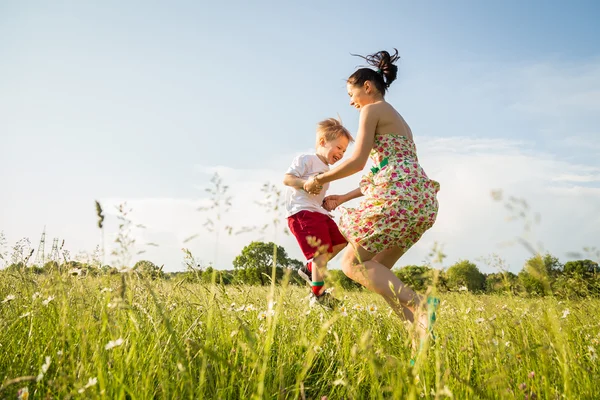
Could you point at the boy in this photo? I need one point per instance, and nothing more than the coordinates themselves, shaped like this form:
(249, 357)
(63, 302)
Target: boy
(311, 224)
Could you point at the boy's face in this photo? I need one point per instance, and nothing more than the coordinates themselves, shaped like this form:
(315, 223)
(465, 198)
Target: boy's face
(333, 151)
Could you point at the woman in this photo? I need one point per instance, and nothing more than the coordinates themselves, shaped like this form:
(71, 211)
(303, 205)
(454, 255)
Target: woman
(400, 200)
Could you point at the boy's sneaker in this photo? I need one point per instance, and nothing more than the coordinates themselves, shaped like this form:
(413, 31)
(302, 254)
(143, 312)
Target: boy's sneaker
(325, 300)
(305, 273)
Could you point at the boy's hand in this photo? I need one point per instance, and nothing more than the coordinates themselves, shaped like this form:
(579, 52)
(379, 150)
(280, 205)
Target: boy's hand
(332, 202)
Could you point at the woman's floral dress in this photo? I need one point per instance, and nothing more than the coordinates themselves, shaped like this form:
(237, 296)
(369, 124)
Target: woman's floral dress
(400, 200)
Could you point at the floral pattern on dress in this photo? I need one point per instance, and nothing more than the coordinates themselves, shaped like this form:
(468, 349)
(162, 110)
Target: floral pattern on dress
(400, 201)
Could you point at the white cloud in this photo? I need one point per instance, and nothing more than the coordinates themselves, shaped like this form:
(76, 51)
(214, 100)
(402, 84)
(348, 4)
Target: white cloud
(531, 114)
(470, 223)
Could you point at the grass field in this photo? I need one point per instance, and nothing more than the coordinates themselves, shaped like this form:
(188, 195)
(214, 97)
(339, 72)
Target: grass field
(121, 337)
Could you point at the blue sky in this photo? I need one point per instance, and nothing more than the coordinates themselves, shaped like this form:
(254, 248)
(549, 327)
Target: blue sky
(144, 101)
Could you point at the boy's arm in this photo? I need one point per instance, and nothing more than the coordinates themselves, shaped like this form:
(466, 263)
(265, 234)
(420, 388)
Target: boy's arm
(293, 181)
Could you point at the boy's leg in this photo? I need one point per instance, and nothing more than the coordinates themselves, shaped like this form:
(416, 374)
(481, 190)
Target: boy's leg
(311, 231)
(319, 268)
(319, 263)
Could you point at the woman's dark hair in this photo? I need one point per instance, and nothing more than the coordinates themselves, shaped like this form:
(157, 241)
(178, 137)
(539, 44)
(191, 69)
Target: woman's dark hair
(385, 74)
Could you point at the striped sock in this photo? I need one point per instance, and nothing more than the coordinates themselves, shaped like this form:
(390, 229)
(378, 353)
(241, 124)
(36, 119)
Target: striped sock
(317, 287)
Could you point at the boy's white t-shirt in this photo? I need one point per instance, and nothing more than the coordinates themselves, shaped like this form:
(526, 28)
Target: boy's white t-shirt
(304, 166)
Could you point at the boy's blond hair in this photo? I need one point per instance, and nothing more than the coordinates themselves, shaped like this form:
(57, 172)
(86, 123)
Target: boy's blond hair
(331, 129)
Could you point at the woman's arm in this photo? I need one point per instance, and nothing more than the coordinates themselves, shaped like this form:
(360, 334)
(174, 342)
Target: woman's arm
(364, 144)
(335, 200)
(351, 195)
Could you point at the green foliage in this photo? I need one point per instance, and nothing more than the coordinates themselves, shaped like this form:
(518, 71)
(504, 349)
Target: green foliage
(538, 273)
(255, 263)
(465, 274)
(501, 282)
(148, 269)
(338, 278)
(418, 277)
(582, 268)
(196, 340)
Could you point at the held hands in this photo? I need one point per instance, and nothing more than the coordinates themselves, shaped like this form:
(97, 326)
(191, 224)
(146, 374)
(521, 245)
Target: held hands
(312, 186)
(332, 202)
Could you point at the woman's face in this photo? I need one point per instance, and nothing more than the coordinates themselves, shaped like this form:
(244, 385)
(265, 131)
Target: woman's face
(360, 95)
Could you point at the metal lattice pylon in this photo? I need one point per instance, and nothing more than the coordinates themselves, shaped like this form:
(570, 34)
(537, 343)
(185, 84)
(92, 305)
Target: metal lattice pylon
(40, 258)
(55, 253)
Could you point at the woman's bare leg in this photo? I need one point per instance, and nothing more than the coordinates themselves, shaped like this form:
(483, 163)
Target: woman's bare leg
(363, 267)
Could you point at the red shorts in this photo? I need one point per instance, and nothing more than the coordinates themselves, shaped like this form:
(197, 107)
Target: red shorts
(307, 224)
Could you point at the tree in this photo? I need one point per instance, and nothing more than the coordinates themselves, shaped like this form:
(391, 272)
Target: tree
(148, 269)
(418, 277)
(581, 268)
(580, 278)
(465, 273)
(539, 273)
(338, 277)
(500, 282)
(256, 262)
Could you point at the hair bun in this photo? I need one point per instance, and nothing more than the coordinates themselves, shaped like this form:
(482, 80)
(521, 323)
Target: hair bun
(384, 62)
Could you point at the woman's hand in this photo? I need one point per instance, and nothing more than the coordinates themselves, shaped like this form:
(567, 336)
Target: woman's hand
(312, 186)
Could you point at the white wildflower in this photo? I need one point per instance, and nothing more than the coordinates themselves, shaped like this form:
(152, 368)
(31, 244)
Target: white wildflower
(372, 309)
(233, 333)
(565, 313)
(104, 290)
(493, 317)
(91, 382)
(317, 349)
(48, 300)
(36, 295)
(389, 337)
(23, 393)
(114, 343)
(357, 307)
(262, 315)
(44, 369)
(446, 392)
(507, 344)
(250, 307)
(480, 309)
(468, 310)
(8, 298)
(344, 311)
(463, 289)
(479, 320)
